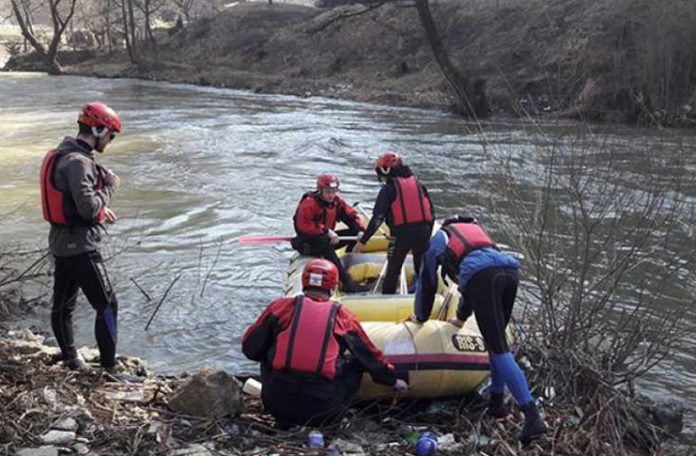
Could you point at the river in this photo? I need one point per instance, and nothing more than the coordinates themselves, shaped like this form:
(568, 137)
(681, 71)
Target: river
(202, 166)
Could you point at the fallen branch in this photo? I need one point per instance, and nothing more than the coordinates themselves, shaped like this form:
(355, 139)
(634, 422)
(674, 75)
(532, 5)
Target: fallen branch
(176, 279)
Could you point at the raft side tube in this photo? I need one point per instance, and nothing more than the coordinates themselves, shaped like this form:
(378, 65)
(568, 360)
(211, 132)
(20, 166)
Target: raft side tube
(441, 359)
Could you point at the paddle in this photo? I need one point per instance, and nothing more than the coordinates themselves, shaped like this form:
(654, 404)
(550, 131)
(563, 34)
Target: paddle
(274, 239)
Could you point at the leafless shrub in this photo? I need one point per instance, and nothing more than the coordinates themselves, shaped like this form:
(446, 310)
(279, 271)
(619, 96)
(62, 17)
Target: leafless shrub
(666, 53)
(20, 268)
(602, 238)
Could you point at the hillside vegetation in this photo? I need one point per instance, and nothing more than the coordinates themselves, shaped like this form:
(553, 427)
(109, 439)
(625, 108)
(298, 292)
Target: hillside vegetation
(624, 60)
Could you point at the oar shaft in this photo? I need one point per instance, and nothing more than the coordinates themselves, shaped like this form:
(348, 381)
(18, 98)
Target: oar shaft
(271, 239)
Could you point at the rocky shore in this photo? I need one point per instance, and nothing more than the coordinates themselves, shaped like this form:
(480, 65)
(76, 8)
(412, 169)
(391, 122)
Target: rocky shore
(48, 410)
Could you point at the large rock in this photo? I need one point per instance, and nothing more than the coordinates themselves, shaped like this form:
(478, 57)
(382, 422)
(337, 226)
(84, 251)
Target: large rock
(211, 393)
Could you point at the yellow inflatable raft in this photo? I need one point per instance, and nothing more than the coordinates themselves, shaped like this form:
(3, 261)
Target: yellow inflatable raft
(441, 360)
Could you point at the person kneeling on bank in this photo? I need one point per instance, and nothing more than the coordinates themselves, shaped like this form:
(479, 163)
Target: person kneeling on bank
(313, 353)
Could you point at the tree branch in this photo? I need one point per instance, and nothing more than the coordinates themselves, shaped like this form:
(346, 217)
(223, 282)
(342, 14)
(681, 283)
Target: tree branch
(25, 26)
(345, 13)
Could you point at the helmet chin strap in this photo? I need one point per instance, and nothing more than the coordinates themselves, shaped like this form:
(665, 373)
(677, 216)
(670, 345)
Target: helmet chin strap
(100, 132)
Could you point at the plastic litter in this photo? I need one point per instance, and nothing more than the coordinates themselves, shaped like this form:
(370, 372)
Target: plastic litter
(426, 444)
(315, 439)
(252, 387)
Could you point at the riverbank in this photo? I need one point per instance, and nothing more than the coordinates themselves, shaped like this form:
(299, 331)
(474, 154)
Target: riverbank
(612, 61)
(50, 409)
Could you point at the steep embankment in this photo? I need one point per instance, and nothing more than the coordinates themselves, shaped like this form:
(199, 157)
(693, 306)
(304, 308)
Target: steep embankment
(616, 60)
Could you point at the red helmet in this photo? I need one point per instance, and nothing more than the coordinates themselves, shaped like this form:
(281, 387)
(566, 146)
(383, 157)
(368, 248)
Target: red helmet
(321, 274)
(328, 180)
(96, 114)
(388, 161)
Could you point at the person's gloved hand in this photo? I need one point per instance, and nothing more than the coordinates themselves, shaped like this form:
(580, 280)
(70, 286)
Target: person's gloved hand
(333, 237)
(464, 309)
(359, 247)
(400, 386)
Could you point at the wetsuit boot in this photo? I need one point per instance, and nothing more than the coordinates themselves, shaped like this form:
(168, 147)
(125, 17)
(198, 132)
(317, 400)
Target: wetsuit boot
(497, 407)
(534, 425)
(76, 363)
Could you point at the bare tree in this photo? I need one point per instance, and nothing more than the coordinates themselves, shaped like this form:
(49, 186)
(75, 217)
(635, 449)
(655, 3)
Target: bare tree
(97, 16)
(106, 13)
(602, 227)
(185, 7)
(129, 30)
(149, 8)
(60, 18)
(470, 96)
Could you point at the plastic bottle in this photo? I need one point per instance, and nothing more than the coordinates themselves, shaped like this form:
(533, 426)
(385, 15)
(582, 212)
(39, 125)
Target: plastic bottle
(426, 444)
(315, 440)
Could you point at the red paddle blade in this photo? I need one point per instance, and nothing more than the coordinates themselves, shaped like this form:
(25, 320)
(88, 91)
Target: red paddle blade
(262, 239)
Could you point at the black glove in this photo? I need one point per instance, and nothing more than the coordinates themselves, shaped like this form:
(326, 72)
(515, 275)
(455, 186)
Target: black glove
(465, 308)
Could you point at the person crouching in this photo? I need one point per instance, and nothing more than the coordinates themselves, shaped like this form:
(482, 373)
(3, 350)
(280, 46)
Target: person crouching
(313, 353)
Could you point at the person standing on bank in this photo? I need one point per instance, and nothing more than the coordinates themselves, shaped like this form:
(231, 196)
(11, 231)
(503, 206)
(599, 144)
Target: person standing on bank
(405, 205)
(315, 221)
(313, 352)
(487, 280)
(75, 195)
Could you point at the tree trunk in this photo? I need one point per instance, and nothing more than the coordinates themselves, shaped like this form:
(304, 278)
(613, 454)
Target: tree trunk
(126, 33)
(148, 27)
(59, 25)
(131, 26)
(107, 21)
(25, 25)
(470, 98)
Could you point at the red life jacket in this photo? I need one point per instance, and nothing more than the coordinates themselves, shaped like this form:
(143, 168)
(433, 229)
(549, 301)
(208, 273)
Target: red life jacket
(325, 213)
(308, 344)
(410, 204)
(464, 238)
(53, 201)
